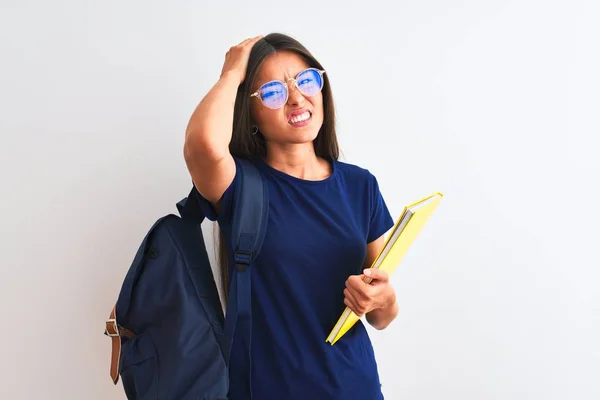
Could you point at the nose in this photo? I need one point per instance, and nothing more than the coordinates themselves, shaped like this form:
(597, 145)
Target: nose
(294, 95)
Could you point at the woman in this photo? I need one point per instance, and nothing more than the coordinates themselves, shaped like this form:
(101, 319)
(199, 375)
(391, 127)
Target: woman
(326, 220)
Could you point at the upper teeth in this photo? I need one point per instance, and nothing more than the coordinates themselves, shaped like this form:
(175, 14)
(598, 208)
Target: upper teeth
(301, 117)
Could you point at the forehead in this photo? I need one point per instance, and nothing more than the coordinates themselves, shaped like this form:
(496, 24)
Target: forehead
(280, 66)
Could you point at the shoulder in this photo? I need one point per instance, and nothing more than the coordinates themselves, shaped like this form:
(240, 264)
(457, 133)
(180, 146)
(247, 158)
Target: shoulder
(355, 173)
(359, 181)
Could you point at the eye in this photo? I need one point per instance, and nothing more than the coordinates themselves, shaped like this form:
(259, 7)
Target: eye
(267, 95)
(305, 81)
(272, 89)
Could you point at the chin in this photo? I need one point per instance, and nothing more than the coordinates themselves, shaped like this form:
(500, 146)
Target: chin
(303, 136)
(295, 135)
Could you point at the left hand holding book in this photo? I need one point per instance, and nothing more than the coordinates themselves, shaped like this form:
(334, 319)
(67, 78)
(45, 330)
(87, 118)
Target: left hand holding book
(369, 291)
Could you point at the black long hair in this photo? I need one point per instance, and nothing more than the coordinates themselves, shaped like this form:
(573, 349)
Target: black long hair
(245, 145)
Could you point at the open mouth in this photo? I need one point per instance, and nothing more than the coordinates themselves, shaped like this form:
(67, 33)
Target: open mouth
(300, 119)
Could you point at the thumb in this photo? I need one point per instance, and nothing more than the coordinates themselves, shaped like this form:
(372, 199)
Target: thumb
(376, 274)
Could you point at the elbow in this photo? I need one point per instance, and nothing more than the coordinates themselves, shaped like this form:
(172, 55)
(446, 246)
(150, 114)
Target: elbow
(196, 147)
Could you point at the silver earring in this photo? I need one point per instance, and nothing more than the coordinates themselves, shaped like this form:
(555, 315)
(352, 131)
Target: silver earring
(254, 130)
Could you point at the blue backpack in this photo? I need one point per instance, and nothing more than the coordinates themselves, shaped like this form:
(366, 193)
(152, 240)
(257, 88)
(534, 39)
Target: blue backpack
(170, 339)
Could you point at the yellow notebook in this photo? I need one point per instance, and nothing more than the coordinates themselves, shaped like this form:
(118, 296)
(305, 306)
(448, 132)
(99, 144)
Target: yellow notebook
(405, 231)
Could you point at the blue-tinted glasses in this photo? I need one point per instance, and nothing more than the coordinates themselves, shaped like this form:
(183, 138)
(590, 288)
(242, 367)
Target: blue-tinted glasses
(274, 94)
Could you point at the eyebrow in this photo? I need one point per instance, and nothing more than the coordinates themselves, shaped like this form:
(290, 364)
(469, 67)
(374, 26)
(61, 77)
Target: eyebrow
(284, 79)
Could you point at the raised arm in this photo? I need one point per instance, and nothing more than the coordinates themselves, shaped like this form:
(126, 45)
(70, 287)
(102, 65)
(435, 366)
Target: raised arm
(209, 130)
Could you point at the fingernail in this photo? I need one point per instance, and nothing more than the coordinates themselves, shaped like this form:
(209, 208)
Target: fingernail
(367, 272)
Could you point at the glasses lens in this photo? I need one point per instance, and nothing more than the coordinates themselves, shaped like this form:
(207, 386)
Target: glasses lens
(310, 82)
(273, 94)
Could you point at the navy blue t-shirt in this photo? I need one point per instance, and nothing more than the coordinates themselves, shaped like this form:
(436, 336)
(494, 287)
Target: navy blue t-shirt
(316, 237)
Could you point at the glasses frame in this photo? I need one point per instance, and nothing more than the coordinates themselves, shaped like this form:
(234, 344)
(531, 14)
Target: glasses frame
(321, 72)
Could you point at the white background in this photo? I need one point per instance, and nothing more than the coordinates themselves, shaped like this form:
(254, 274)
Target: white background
(494, 103)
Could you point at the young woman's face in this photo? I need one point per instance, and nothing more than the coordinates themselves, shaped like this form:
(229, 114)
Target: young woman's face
(301, 117)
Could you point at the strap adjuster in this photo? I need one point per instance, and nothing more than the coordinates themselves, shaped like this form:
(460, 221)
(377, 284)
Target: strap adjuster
(112, 328)
(242, 260)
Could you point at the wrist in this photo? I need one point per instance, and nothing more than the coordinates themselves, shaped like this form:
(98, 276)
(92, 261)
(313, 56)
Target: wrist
(231, 77)
(381, 317)
(390, 300)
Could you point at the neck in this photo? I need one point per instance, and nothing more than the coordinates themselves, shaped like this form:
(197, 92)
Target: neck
(298, 160)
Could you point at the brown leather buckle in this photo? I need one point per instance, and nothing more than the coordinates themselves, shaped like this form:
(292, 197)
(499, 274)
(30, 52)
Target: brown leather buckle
(112, 328)
(115, 332)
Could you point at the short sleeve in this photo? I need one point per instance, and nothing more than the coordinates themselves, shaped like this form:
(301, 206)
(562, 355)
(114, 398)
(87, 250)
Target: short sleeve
(381, 219)
(207, 207)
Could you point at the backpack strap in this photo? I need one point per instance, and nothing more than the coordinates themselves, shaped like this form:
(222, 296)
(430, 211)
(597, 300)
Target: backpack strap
(189, 209)
(250, 217)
